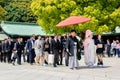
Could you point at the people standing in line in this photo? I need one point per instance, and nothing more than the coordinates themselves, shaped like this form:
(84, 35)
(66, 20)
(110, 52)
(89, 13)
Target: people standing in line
(54, 49)
(89, 49)
(30, 49)
(118, 48)
(46, 49)
(19, 46)
(113, 48)
(100, 48)
(39, 50)
(108, 47)
(72, 48)
(60, 49)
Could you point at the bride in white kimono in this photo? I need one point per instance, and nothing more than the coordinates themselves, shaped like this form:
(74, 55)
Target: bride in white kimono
(89, 49)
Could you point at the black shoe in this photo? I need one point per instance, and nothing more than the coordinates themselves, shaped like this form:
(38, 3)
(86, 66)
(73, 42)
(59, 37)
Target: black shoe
(98, 63)
(55, 66)
(66, 65)
(46, 62)
(101, 63)
(61, 64)
(58, 63)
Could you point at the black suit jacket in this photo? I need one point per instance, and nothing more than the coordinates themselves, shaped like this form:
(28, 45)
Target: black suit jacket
(70, 45)
(55, 45)
(61, 44)
(19, 47)
(11, 45)
(5, 47)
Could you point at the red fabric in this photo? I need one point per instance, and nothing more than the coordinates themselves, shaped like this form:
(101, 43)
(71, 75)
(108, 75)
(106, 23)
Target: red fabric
(73, 20)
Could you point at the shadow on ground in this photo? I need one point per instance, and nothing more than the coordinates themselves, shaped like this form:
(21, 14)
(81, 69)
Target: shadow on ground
(94, 67)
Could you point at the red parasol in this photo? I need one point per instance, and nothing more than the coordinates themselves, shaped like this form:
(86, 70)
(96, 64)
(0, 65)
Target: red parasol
(73, 20)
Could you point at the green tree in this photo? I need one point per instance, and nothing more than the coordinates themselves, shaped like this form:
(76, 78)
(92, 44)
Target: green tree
(2, 14)
(2, 3)
(19, 11)
(104, 14)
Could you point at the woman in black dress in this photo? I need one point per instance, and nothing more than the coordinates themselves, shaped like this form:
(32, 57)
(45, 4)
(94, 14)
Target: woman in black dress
(100, 49)
(46, 49)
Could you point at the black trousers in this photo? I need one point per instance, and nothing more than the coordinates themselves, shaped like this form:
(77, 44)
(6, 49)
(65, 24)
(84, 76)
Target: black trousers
(5, 56)
(108, 52)
(9, 56)
(61, 57)
(114, 51)
(31, 56)
(19, 57)
(56, 57)
(28, 58)
(1, 56)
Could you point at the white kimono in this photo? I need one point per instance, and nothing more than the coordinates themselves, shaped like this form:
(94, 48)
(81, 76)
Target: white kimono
(89, 52)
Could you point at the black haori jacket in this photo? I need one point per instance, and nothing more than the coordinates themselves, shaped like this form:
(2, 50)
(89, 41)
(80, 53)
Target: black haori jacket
(70, 45)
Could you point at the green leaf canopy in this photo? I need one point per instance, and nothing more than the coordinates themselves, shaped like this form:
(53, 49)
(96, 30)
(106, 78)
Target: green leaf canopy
(105, 14)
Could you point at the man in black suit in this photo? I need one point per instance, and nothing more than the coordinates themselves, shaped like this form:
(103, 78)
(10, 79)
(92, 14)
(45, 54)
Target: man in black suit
(19, 47)
(5, 49)
(30, 49)
(54, 48)
(60, 49)
(10, 48)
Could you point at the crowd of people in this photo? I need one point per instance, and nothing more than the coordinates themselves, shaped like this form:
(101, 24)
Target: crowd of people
(113, 49)
(35, 50)
(38, 50)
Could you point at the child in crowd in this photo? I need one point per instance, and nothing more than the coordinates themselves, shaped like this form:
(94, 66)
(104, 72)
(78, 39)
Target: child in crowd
(14, 56)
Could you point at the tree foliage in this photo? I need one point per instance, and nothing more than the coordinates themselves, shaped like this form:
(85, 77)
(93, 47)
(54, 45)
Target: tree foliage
(19, 11)
(104, 14)
(2, 14)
